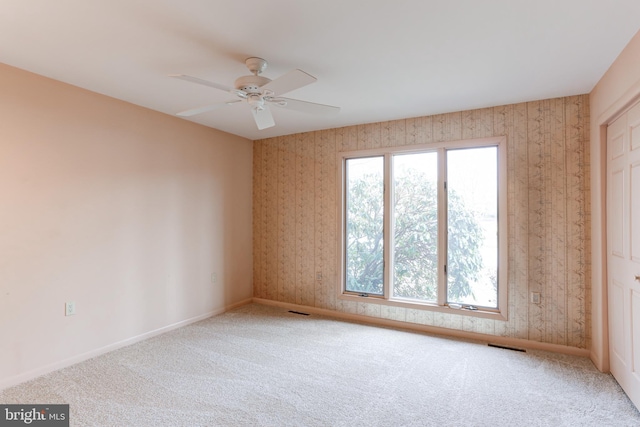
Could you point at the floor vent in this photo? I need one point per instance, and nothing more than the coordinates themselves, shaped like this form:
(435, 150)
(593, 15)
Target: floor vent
(298, 312)
(507, 347)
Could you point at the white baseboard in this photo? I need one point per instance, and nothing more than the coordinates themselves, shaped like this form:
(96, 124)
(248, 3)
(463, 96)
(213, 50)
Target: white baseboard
(494, 339)
(601, 364)
(27, 376)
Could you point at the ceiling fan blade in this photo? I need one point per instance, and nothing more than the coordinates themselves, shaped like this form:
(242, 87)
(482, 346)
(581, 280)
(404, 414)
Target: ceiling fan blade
(292, 80)
(304, 106)
(199, 110)
(203, 82)
(263, 118)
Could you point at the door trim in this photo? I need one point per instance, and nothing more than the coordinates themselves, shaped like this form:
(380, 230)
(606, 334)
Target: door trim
(599, 353)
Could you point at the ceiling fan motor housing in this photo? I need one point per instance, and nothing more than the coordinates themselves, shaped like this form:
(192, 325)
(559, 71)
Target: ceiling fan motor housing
(251, 84)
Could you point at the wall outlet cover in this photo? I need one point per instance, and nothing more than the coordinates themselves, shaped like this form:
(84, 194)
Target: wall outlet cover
(69, 308)
(535, 297)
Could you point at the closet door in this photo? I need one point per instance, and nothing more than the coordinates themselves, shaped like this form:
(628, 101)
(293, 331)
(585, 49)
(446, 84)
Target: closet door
(623, 250)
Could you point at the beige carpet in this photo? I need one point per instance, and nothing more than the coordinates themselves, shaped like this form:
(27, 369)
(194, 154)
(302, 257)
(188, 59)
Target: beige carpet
(263, 366)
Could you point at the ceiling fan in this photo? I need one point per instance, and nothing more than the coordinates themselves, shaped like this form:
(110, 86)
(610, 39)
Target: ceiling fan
(260, 92)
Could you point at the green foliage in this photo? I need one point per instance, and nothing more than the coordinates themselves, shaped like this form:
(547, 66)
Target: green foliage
(365, 219)
(415, 239)
(465, 239)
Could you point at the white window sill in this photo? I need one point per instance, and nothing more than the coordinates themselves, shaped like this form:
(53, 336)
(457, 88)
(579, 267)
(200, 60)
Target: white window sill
(418, 305)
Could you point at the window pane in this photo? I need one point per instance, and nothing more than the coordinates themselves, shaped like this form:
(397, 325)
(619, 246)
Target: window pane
(415, 218)
(472, 265)
(364, 225)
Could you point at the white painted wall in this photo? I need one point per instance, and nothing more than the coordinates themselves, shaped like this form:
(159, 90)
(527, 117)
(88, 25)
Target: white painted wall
(123, 210)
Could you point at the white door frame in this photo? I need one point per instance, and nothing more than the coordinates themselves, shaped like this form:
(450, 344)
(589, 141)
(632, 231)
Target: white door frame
(599, 290)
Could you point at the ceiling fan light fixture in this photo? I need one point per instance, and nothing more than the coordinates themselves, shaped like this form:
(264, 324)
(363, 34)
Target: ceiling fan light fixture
(256, 101)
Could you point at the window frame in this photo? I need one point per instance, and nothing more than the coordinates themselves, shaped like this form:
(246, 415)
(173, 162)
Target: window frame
(499, 313)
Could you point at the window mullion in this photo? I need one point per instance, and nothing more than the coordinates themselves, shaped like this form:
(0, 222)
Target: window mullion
(442, 227)
(388, 226)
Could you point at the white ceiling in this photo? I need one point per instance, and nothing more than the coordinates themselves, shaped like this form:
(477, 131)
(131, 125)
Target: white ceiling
(376, 59)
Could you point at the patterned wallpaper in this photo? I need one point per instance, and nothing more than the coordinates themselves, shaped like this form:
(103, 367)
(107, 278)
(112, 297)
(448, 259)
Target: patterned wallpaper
(294, 217)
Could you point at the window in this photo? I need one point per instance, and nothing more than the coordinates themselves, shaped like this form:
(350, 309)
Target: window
(426, 226)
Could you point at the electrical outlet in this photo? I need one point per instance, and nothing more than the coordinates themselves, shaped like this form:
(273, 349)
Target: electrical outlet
(69, 308)
(535, 297)
(214, 278)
